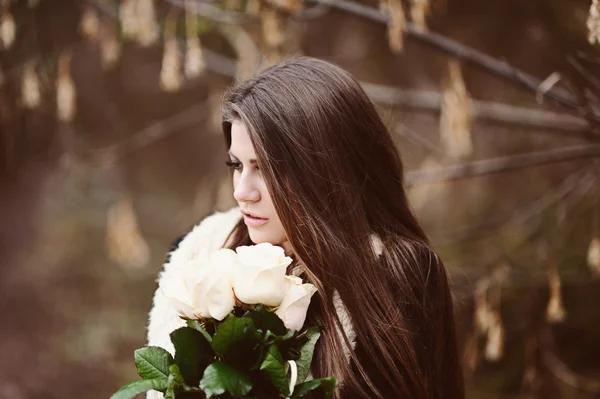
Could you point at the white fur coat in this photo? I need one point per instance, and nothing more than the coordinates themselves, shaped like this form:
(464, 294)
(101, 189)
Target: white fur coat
(204, 238)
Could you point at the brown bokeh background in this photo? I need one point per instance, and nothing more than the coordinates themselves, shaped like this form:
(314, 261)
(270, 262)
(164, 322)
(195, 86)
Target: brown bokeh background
(90, 203)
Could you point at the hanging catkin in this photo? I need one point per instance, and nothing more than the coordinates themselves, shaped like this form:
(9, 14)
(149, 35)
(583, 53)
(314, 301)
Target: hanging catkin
(65, 90)
(418, 13)
(593, 255)
(494, 347)
(194, 59)
(8, 28)
(31, 96)
(456, 114)
(396, 24)
(272, 28)
(147, 30)
(555, 311)
(124, 241)
(110, 47)
(171, 77)
(89, 25)
(128, 18)
(593, 23)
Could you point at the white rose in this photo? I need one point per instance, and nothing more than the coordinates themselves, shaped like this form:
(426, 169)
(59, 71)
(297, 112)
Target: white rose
(295, 303)
(260, 274)
(202, 289)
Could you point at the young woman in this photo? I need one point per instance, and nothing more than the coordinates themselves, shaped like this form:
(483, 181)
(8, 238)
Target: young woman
(316, 171)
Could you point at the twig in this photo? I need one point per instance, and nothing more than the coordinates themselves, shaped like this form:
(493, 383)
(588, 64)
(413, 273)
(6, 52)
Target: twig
(149, 135)
(212, 12)
(585, 73)
(582, 179)
(501, 164)
(418, 139)
(499, 112)
(465, 53)
(217, 14)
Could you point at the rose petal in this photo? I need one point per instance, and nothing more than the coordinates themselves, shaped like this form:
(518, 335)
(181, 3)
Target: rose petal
(220, 299)
(295, 304)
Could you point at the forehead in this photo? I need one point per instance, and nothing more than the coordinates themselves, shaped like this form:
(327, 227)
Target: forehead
(241, 145)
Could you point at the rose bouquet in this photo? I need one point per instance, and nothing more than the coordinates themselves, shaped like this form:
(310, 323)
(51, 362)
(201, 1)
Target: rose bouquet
(245, 335)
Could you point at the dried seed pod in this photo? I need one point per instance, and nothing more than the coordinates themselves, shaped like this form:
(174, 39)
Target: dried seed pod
(418, 13)
(272, 28)
(124, 241)
(396, 25)
(170, 73)
(555, 312)
(495, 338)
(501, 273)
(30, 87)
(482, 306)
(456, 114)
(291, 6)
(128, 18)
(65, 91)
(194, 59)
(89, 25)
(147, 31)
(8, 30)
(110, 49)
(233, 4)
(253, 7)
(593, 255)
(420, 194)
(384, 7)
(593, 23)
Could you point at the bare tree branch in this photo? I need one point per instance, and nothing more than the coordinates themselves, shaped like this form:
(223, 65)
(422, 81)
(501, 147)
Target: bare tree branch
(498, 112)
(465, 53)
(149, 135)
(582, 179)
(501, 164)
(227, 66)
(493, 111)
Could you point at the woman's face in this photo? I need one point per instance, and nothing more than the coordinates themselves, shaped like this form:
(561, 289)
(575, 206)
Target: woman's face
(250, 191)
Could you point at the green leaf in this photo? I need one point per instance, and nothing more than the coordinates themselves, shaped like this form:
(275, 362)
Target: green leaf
(232, 331)
(276, 371)
(193, 353)
(174, 382)
(135, 388)
(265, 320)
(175, 377)
(325, 385)
(153, 362)
(288, 335)
(306, 354)
(195, 324)
(219, 378)
(170, 393)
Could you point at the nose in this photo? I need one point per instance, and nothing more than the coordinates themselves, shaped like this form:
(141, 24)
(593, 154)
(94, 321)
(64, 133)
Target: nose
(245, 190)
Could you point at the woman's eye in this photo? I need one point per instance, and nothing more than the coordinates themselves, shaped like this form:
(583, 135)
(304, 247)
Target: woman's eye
(234, 165)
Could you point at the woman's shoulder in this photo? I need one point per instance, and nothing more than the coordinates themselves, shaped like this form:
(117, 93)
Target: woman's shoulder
(208, 235)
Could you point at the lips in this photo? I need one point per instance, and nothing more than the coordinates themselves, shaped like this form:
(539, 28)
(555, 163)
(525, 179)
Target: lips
(253, 216)
(252, 220)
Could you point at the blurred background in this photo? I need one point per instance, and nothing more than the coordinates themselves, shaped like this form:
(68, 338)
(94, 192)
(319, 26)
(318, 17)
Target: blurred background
(110, 148)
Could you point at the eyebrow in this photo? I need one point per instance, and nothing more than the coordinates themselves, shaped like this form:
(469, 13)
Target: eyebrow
(252, 161)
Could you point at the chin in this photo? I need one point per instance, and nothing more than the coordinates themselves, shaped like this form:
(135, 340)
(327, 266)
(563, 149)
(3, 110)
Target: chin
(259, 237)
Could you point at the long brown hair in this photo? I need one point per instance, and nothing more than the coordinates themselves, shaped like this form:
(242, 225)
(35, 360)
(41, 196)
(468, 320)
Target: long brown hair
(336, 178)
